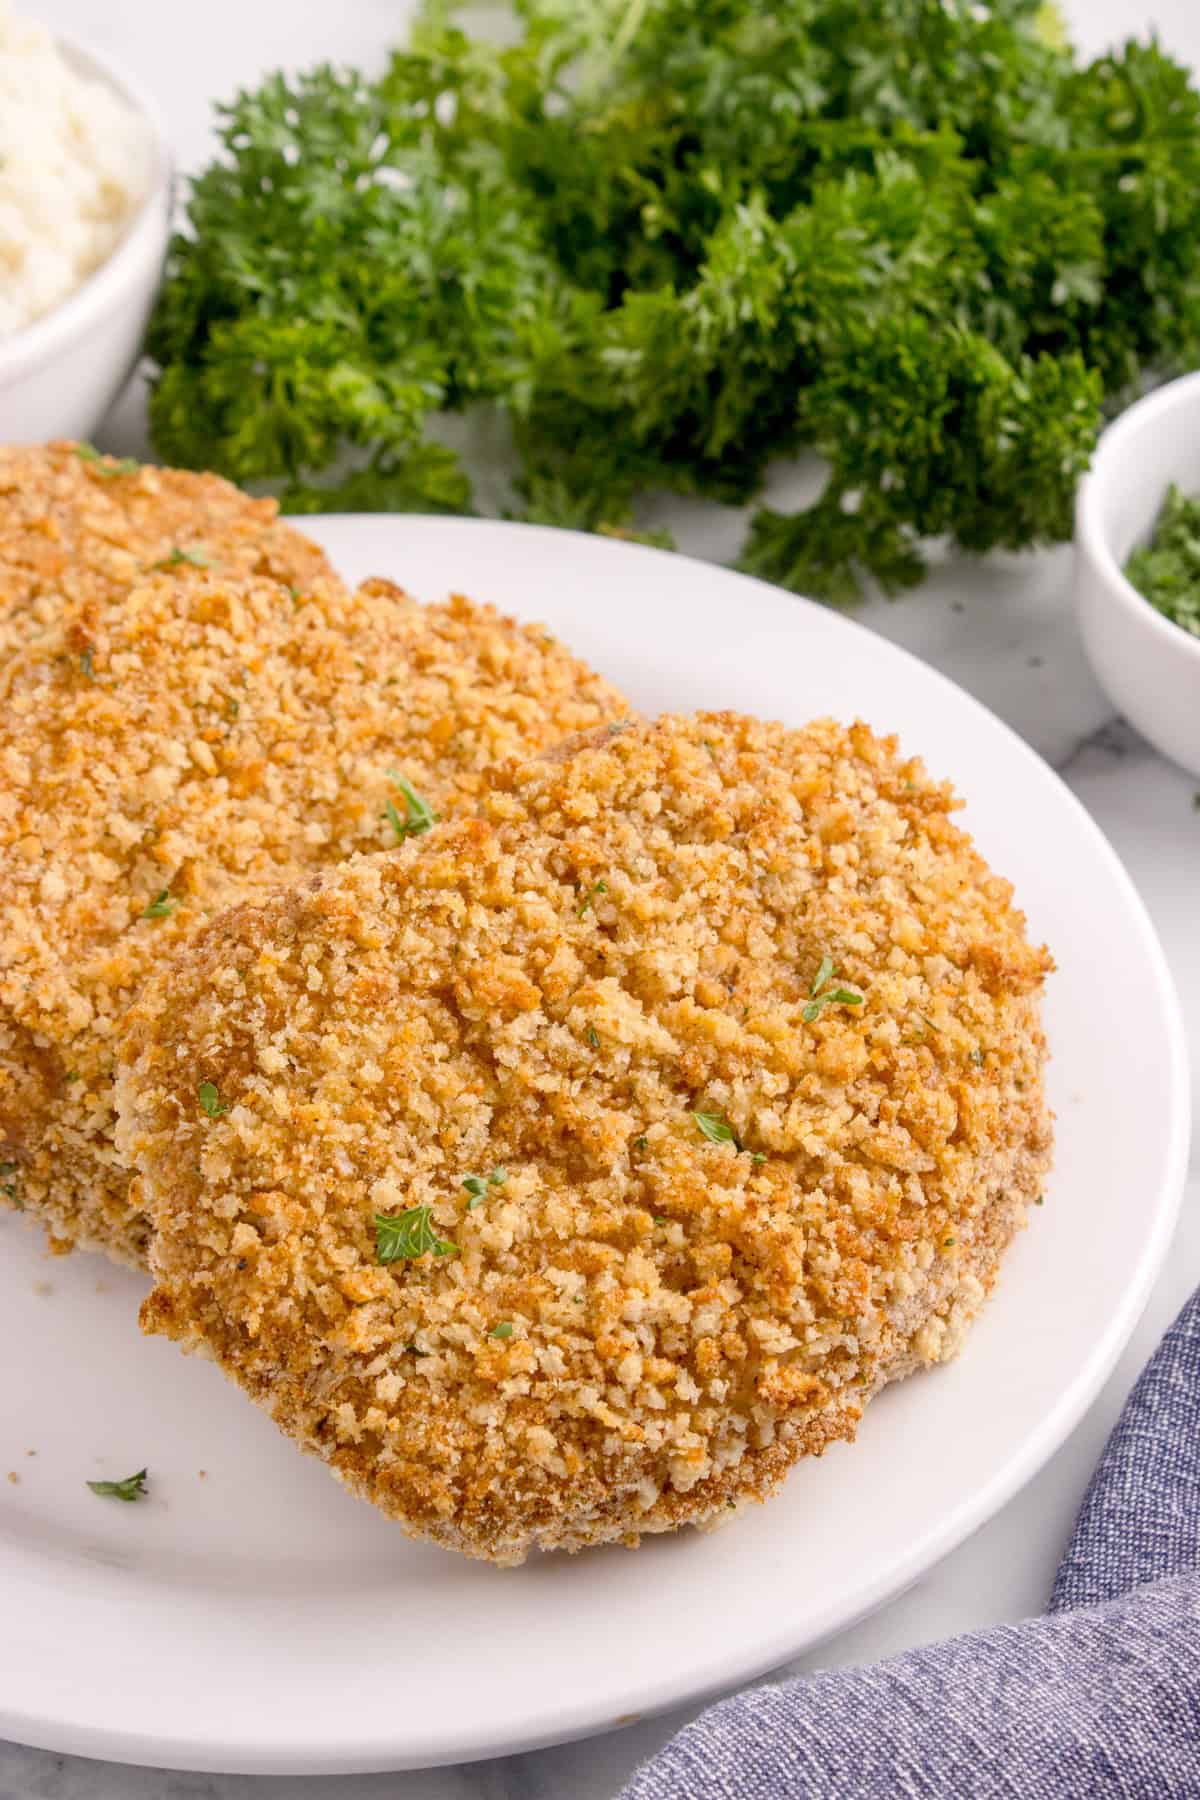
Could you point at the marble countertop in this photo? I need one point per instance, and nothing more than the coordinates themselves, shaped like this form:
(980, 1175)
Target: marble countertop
(1005, 631)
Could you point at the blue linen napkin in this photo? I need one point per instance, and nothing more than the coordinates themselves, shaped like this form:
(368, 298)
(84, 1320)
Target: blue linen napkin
(1100, 1697)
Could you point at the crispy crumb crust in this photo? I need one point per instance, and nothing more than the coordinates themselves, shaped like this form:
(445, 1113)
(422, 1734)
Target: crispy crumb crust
(687, 1317)
(75, 530)
(212, 737)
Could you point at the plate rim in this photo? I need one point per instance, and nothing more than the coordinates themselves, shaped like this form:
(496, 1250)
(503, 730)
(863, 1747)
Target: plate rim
(713, 1672)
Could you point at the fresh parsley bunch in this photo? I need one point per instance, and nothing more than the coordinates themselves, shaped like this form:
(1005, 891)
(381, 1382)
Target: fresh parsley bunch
(674, 240)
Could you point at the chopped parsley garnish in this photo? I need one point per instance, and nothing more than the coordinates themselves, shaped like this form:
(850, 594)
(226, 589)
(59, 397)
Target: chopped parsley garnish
(198, 559)
(210, 1100)
(106, 465)
(401, 1236)
(822, 995)
(1166, 571)
(593, 1037)
(418, 814)
(132, 1488)
(502, 1330)
(161, 907)
(477, 1186)
(639, 1143)
(9, 1187)
(87, 666)
(589, 899)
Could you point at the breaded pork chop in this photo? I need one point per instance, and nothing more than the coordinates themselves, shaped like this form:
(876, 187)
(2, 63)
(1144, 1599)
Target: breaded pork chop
(567, 1174)
(169, 748)
(76, 528)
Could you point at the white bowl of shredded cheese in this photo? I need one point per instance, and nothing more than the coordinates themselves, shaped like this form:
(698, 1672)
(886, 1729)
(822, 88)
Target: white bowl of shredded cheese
(85, 197)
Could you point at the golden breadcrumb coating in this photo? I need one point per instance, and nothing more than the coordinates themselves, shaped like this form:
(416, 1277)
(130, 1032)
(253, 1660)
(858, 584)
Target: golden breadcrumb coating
(169, 748)
(615, 1324)
(76, 528)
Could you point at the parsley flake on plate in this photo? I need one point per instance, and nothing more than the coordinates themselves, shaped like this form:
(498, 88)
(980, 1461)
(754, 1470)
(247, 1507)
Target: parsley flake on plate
(133, 1487)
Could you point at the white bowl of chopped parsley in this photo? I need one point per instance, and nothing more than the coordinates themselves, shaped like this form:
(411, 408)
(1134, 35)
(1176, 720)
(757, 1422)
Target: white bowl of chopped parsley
(1137, 567)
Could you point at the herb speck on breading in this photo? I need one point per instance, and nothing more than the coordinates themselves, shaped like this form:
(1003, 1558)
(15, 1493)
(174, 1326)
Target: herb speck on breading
(477, 1186)
(402, 1236)
(822, 995)
(211, 1103)
(197, 559)
(107, 466)
(161, 907)
(589, 899)
(418, 814)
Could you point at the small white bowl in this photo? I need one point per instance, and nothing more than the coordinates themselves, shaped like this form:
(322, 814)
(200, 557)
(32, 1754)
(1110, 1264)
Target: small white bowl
(1149, 666)
(59, 375)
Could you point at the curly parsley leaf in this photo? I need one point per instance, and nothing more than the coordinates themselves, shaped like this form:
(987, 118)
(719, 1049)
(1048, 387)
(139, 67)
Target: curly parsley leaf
(672, 244)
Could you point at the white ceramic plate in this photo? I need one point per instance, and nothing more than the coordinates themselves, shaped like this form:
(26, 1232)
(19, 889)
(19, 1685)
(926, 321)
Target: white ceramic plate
(256, 1618)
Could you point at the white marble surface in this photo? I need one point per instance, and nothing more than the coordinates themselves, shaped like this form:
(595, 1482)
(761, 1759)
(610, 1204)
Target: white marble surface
(1004, 630)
